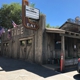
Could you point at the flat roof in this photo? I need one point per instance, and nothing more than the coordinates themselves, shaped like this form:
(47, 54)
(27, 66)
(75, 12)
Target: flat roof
(63, 32)
(54, 30)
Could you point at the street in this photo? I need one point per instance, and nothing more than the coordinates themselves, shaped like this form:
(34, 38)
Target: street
(13, 69)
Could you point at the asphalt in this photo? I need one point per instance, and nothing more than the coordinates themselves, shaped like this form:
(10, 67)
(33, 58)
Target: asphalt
(13, 69)
(8, 66)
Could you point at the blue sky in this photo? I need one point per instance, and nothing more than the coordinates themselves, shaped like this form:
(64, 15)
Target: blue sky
(56, 11)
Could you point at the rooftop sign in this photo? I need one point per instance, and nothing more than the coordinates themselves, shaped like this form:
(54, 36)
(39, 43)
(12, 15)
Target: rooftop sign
(32, 12)
(30, 16)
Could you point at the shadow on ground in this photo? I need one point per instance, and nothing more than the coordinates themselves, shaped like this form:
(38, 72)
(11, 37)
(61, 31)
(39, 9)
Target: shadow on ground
(8, 64)
(68, 69)
(77, 77)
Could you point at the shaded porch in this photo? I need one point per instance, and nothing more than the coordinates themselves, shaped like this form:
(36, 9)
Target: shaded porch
(62, 42)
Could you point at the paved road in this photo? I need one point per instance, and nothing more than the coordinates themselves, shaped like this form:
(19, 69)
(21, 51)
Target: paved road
(11, 69)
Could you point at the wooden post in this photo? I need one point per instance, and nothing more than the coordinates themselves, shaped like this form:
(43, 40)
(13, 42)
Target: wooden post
(24, 2)
(63, 50)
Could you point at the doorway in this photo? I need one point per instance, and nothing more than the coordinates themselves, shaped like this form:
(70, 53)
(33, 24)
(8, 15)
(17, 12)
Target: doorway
(26, 49)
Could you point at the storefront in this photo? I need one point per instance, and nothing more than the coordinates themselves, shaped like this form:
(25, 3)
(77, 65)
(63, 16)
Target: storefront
(43, 46)
(24, 43)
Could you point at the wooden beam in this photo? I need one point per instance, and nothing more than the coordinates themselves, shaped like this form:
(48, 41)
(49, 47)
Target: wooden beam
(53, 30)
(25, 38)
(72, 36)
(63, 50)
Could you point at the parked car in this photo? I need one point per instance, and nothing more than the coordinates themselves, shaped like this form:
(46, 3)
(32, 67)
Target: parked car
(78, 66)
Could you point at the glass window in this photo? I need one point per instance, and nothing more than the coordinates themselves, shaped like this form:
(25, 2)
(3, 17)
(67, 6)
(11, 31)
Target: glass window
(0, 40)
(29, 41)
(4, 44)
(22, 43)
(57, 45)
(7, 44)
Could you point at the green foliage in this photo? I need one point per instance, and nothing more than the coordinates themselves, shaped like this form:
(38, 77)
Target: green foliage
(48, 26)
(9, 12)
(32, 5)
(55, 26)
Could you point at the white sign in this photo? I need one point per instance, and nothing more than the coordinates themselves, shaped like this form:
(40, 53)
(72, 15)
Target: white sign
(32, 12)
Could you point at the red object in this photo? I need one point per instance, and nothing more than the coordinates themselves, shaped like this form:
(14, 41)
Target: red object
(79, 59)
(61, 63)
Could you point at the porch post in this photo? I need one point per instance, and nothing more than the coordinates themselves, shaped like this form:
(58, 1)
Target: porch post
(63, 51)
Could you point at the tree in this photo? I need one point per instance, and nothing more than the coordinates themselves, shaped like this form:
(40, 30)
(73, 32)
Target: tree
(55, 26)
(48, 26)
(32, 5)
(9, 12)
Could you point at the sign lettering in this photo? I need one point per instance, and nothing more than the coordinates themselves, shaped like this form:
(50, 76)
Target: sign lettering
(18, 31)
(32, 12)
(28, 15)
(31, 25)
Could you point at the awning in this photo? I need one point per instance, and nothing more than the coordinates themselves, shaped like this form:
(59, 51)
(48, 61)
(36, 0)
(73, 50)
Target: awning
(54, 30)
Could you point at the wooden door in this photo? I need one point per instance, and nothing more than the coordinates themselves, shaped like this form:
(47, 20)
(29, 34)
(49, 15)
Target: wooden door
(29, 52)
(26, 49)
(22, 49)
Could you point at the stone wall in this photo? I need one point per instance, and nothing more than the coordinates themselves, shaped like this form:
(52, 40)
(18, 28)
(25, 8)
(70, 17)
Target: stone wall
(11, 47)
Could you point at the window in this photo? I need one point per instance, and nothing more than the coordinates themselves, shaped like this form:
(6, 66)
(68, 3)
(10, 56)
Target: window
(22, 43)
(57, 45)
(29, 41)
(0, 40)
(26, 42)
(5, 44)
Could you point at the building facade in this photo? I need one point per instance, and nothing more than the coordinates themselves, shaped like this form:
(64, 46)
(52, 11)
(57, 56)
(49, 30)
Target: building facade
(43, 46)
